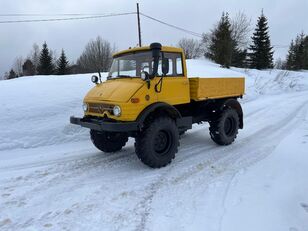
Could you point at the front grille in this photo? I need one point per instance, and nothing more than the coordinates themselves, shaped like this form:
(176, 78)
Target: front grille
(100, 108)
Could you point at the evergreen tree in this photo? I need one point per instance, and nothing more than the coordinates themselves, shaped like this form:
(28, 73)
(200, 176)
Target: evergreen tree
(62, 64)
(12, 74)
(238, 56)
(46, 66)
(221, 43)
(223, 47)
(299, 52)
(261, 55)
(290, 65)
(297, 58)
(305, 53)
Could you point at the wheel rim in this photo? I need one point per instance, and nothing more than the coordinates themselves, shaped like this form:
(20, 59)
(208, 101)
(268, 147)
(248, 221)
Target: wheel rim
(162, 142)
(229, 126)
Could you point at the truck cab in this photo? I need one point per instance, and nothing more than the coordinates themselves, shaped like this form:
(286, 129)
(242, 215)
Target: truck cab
(148, 96)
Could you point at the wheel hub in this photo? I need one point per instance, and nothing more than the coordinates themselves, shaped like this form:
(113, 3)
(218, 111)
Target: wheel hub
(161, 142)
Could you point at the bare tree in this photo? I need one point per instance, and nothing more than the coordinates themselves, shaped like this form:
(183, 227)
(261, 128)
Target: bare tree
(241, 28)
(34, 55)
(17, 66)
(5, 76)
(97, 56)
(192, 48)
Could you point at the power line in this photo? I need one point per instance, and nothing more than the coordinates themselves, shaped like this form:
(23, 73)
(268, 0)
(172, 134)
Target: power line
(173, 26)
(65, 19)
(95, 16)
(31, 15)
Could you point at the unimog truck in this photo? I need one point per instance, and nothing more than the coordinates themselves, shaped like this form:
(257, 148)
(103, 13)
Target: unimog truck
(148, 96)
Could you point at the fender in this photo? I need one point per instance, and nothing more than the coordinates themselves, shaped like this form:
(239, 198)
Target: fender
(171, 110)
(183, 123)
(233, 103)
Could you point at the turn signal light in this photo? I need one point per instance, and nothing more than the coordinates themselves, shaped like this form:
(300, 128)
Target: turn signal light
(135, 100)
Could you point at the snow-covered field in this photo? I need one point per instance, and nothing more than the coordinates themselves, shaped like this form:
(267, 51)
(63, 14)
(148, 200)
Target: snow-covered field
(52, 178)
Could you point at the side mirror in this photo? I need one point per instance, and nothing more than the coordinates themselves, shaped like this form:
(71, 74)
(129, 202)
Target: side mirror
(94, 79)
(165, 66)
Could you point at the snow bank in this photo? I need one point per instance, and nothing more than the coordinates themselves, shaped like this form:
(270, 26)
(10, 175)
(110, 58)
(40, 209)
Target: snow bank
(35, 110)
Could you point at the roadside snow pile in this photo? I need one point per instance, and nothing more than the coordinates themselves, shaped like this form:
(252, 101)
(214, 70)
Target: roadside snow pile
(265, 82)
(35, 110)
(277, 81)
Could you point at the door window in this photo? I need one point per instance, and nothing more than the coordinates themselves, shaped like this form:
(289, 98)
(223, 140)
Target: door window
(175, 64)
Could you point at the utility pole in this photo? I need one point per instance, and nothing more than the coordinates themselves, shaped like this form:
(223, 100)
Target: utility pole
(139, 29)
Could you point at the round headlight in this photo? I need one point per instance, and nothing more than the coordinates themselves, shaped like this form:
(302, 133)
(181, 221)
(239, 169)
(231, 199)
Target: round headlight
(94, 79)
(116, 110)
(85, 107)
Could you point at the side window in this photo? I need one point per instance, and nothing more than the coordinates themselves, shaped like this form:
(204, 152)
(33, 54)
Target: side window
(179, 66)
(175, 64)
(170, 72)
(159, 71)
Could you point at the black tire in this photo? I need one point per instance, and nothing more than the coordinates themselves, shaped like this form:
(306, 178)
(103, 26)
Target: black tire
(182, 132)
(224, 130)
(108, 141)
(158, 142)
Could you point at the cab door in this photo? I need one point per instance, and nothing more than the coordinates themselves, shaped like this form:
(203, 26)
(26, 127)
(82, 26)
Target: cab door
(173, 88)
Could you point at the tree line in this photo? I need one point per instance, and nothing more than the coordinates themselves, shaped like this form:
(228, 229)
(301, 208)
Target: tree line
(228, 44)
(96, 56)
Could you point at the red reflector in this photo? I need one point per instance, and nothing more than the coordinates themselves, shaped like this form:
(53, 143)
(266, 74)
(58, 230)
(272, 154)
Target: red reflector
(135, 100)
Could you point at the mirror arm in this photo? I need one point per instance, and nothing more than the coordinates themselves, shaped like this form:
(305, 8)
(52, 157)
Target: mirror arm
(149, 83)
(100, 76)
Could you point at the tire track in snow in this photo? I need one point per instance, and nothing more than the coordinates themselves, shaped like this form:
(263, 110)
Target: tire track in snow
(78, 171)
(234, 159)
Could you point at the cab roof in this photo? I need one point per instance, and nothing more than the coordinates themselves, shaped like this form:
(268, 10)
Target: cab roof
(147, 48)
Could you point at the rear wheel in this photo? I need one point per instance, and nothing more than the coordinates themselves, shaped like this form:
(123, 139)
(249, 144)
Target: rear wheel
(224, 130)
(108, 141)
(158, 142)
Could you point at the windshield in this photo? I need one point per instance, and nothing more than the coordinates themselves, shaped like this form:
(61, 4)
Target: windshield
(131, 65)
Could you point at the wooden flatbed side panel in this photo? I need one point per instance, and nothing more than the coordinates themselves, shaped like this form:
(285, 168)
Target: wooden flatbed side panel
(215, 88)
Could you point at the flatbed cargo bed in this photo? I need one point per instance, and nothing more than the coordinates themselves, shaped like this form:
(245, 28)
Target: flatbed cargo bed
(216, 88)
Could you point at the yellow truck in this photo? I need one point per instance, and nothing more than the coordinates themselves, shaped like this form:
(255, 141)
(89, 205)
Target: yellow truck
(148, 96)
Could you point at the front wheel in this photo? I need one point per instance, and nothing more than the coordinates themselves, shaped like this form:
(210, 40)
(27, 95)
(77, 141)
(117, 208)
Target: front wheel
(108, 141)
(224, 129)
(158, 142)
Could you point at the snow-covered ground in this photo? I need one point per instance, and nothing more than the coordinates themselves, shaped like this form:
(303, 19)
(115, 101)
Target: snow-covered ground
(52, 178)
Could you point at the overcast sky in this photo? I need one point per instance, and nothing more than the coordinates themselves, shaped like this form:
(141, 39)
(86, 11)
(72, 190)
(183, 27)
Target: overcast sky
(286, 19)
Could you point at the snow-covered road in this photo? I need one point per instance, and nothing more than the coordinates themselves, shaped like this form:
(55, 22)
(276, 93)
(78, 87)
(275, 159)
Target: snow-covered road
(59, 181)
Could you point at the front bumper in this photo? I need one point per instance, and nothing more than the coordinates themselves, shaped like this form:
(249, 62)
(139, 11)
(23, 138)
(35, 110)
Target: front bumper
(99, 125)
